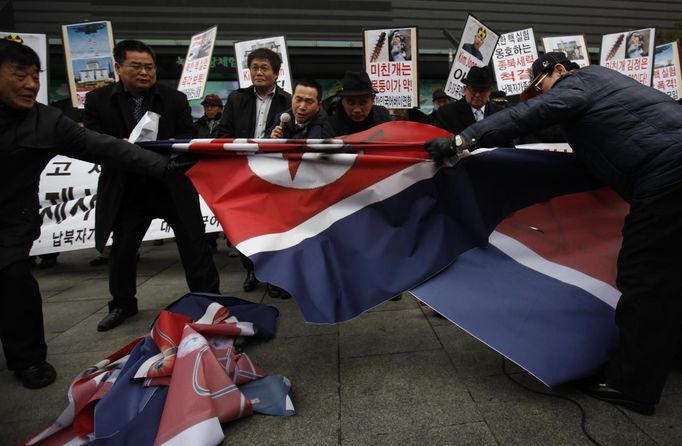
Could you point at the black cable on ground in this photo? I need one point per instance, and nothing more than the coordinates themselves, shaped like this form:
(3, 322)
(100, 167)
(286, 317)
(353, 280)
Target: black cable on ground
(583, 416)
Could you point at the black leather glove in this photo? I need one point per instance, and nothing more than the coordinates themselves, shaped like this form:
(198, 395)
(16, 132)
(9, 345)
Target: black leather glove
(440, 149)
(181, 163)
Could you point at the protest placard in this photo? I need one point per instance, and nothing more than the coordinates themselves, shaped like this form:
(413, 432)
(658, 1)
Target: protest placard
(391, 63)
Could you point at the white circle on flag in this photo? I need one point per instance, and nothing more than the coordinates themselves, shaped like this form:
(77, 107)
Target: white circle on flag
(312, 171)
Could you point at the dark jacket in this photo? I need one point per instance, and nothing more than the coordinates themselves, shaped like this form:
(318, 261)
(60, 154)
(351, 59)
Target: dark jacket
(343, 125)
(28, 140)
(471, 49)
(109, 110)
(206, 127)
(629, 135)
(456, 116)
(239, 114)
(316, 128)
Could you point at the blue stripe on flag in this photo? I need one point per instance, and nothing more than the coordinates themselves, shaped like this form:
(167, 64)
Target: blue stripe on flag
(556, 331)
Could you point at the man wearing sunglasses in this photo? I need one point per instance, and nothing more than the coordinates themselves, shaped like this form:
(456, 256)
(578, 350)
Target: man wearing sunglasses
(630, 137)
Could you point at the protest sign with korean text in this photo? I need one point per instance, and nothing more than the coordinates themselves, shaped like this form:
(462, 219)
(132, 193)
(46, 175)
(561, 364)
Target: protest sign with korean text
(667, 76)
(630, 53)
(68, 195)
(88, 48)
(476, 48)
(276, 44)
(391, 63)
(573, 46)
(514, 54)
(38, 43)
(198, 61)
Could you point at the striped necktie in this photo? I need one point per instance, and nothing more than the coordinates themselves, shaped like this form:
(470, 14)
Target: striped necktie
(478, 114)
(138, 109)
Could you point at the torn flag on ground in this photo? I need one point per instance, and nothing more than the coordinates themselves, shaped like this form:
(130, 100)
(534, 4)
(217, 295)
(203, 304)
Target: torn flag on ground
(180, 382)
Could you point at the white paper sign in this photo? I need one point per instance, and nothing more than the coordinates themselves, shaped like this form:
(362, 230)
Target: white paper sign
(276, 44)
(391, 63)
(475, 49)
(630, 53)
(667, 76)
(514, 54)
(89, 58)
(573, 46)
(197, 63)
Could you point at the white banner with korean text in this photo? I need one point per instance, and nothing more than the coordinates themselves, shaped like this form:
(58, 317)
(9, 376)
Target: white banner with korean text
(197, 63)
(476, 48)
(667, 76)
(68, 195)
(630, 53)
(514, 54)
(391, 63)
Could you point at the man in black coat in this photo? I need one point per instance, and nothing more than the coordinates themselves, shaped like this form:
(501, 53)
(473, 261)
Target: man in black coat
(127, 203)
(630, 137)
(250, 111)
(30, 135)
(474, 106)
(357, 111)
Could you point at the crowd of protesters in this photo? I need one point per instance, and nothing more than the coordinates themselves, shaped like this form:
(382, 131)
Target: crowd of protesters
(628, 134)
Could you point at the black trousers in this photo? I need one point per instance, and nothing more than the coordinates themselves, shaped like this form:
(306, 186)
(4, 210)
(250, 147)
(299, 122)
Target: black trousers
(649, 312)
(21, 316)
(132, 221)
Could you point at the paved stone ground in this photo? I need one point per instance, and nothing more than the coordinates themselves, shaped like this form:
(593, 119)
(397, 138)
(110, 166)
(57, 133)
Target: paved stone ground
(396, 375)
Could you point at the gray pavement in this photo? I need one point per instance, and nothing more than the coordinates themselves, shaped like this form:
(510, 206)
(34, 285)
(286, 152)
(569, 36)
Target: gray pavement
(396, 375)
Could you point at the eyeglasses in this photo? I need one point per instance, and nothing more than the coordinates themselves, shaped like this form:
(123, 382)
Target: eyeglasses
(537, 85)
(261, 68)
(139, 66)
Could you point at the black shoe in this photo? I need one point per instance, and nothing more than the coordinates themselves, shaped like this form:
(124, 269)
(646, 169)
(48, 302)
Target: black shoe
(602, 390)
(99, 261)
(277, 293)
(397, 298)
(114, 319)
(48, 262)
(37, 375)
(158, 242)
(250, 282)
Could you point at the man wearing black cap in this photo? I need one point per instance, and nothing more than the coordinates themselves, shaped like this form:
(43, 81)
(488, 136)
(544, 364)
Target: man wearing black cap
(357, 111)
(213, 110)
(630, 137)
(474, 106)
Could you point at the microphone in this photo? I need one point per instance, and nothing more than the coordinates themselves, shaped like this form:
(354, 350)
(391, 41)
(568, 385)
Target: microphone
(284, 118)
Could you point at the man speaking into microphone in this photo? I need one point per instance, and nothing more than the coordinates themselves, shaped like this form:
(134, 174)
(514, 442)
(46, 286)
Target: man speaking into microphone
(310, 120)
